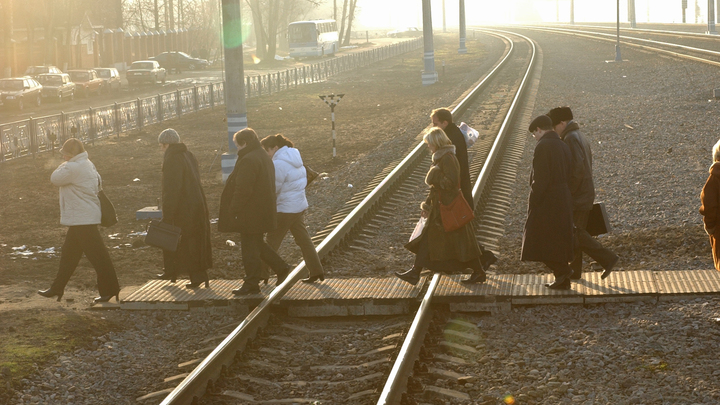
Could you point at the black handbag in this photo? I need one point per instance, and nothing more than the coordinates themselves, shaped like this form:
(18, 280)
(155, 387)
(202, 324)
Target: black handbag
(163, 235)
(598, 220)
(108, 217)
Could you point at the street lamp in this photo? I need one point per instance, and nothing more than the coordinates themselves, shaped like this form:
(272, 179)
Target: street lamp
(618, 58)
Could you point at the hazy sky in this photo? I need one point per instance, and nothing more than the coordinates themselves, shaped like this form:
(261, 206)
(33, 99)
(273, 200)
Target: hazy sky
(399, 13)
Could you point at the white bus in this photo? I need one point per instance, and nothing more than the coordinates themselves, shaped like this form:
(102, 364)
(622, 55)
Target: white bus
(313, 38)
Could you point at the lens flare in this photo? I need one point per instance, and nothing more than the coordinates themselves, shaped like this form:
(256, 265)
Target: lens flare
(255, 59)
(509, 399)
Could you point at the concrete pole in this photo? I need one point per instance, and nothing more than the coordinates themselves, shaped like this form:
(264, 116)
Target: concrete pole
(462, 48)
(618, 58)
(631, 14)
(444, 25)
(429, 75)
(711, 17)
(234, 83)
(572, 12)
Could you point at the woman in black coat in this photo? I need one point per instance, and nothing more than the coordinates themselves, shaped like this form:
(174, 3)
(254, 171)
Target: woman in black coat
(247, 205)
(548, 235)
(184, 205)
(437, 249)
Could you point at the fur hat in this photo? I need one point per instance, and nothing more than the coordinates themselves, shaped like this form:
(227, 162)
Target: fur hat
(72, 147)
(169, 136)
(558, 114)
(543, 122)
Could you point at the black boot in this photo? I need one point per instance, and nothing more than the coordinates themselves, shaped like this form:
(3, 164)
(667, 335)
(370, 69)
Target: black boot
(487, 259)
(478, 276)
(49, 293)
(560, 283)
(411, 276)
(246, 289)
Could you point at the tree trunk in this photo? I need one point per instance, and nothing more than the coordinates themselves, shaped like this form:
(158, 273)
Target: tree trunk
(260, 36)
(351, 15)
(342, 22)
(273, 21)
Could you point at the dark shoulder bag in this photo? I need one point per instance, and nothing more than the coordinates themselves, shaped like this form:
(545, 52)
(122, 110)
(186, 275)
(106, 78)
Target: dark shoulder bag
(108, 217)
(163, 235)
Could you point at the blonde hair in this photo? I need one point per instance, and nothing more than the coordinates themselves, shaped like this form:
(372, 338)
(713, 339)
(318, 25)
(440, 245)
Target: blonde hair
(436, 138)
(716, 152)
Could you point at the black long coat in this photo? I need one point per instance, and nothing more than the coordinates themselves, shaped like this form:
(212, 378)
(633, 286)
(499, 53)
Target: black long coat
(247, 203)
(458, 139)
(549, 228)
(184, 205)
(459, 245)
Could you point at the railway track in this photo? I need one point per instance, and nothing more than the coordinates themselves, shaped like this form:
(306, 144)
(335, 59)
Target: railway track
(270, 357)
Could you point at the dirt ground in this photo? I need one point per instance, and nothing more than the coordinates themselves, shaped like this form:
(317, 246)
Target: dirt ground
(381, 102)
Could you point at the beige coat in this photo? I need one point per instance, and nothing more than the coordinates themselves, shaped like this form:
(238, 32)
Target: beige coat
(78, 181)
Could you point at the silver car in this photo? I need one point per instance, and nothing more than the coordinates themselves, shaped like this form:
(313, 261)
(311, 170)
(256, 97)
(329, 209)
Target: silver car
(57, 86)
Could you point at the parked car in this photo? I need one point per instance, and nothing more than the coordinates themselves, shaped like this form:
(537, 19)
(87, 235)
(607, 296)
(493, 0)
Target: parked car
(405, 33)
(111, 79)
(20, 91)
(57, 86)
(86, 81)
(145, 71)
(35, 71)
(179, 61)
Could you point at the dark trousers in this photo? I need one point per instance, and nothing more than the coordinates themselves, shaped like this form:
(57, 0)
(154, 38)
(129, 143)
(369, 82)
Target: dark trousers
(86, 239)
(559, 268)
(255, 251)
(588, 245)
(185, 260)
(294, 223)
(422, 261)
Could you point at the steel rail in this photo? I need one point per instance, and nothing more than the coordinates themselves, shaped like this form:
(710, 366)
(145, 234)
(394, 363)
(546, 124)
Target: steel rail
(396, 384)
(612, 38)
(197, 382)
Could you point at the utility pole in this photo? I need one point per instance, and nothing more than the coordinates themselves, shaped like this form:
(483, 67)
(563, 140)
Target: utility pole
(618, 58)
(9, 45)
(444, 25)
(631, 13)
(557, 10)
(429, 75)
(572, 12)
(234, 83)
(462, 48)
(711, 17)
(684, 9)
(335, 10)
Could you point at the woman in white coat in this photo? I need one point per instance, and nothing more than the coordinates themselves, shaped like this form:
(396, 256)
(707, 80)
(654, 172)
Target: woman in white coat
(290, 183)
(79, 184)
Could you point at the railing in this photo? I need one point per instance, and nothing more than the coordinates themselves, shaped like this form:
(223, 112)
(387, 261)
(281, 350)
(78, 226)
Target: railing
(36, 135)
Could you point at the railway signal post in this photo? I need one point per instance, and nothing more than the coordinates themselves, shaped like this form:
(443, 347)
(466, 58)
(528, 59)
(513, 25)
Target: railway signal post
(332, 100)
(462, 48)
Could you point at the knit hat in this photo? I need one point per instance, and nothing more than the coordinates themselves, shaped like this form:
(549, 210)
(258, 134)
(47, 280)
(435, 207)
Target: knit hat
(72, 147)
(542, 122)
(560, 114)
(169, 136)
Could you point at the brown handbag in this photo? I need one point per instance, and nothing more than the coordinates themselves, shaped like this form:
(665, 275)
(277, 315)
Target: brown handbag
(457, 214)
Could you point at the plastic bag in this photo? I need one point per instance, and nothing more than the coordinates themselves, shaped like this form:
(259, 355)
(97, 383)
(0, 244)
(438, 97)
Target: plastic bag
(418, 229)
(471, 135)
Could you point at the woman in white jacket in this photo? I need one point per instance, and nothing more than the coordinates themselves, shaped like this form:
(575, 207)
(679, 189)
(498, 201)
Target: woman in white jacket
(290, 182)
(79, 184)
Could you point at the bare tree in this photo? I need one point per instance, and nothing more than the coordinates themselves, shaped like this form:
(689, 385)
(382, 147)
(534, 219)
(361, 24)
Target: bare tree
(271, 18)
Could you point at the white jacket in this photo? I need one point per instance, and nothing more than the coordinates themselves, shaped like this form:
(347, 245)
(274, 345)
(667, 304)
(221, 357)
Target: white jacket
(78, 182)
(290, 181)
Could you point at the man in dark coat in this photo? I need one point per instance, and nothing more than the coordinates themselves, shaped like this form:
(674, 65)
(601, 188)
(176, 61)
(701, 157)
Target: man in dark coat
(248, 206)
(442, 117)
(184, 205)
(548, 235)
(583, 193)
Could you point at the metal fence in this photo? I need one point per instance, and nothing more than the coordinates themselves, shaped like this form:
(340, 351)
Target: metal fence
(35, 135)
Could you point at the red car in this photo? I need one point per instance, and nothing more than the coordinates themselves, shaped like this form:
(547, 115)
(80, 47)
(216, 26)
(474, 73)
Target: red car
(86, 81)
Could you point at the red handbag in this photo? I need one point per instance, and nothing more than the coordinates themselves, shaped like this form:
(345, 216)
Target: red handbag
(457, 214)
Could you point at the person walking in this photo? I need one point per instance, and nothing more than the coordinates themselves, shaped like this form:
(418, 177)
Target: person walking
(248, 206)
(548, 235)
(79, 184)
(710, 208)
(442, 118)
(582, 190)
(437, 249)
(290, 183)
(184, 205)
